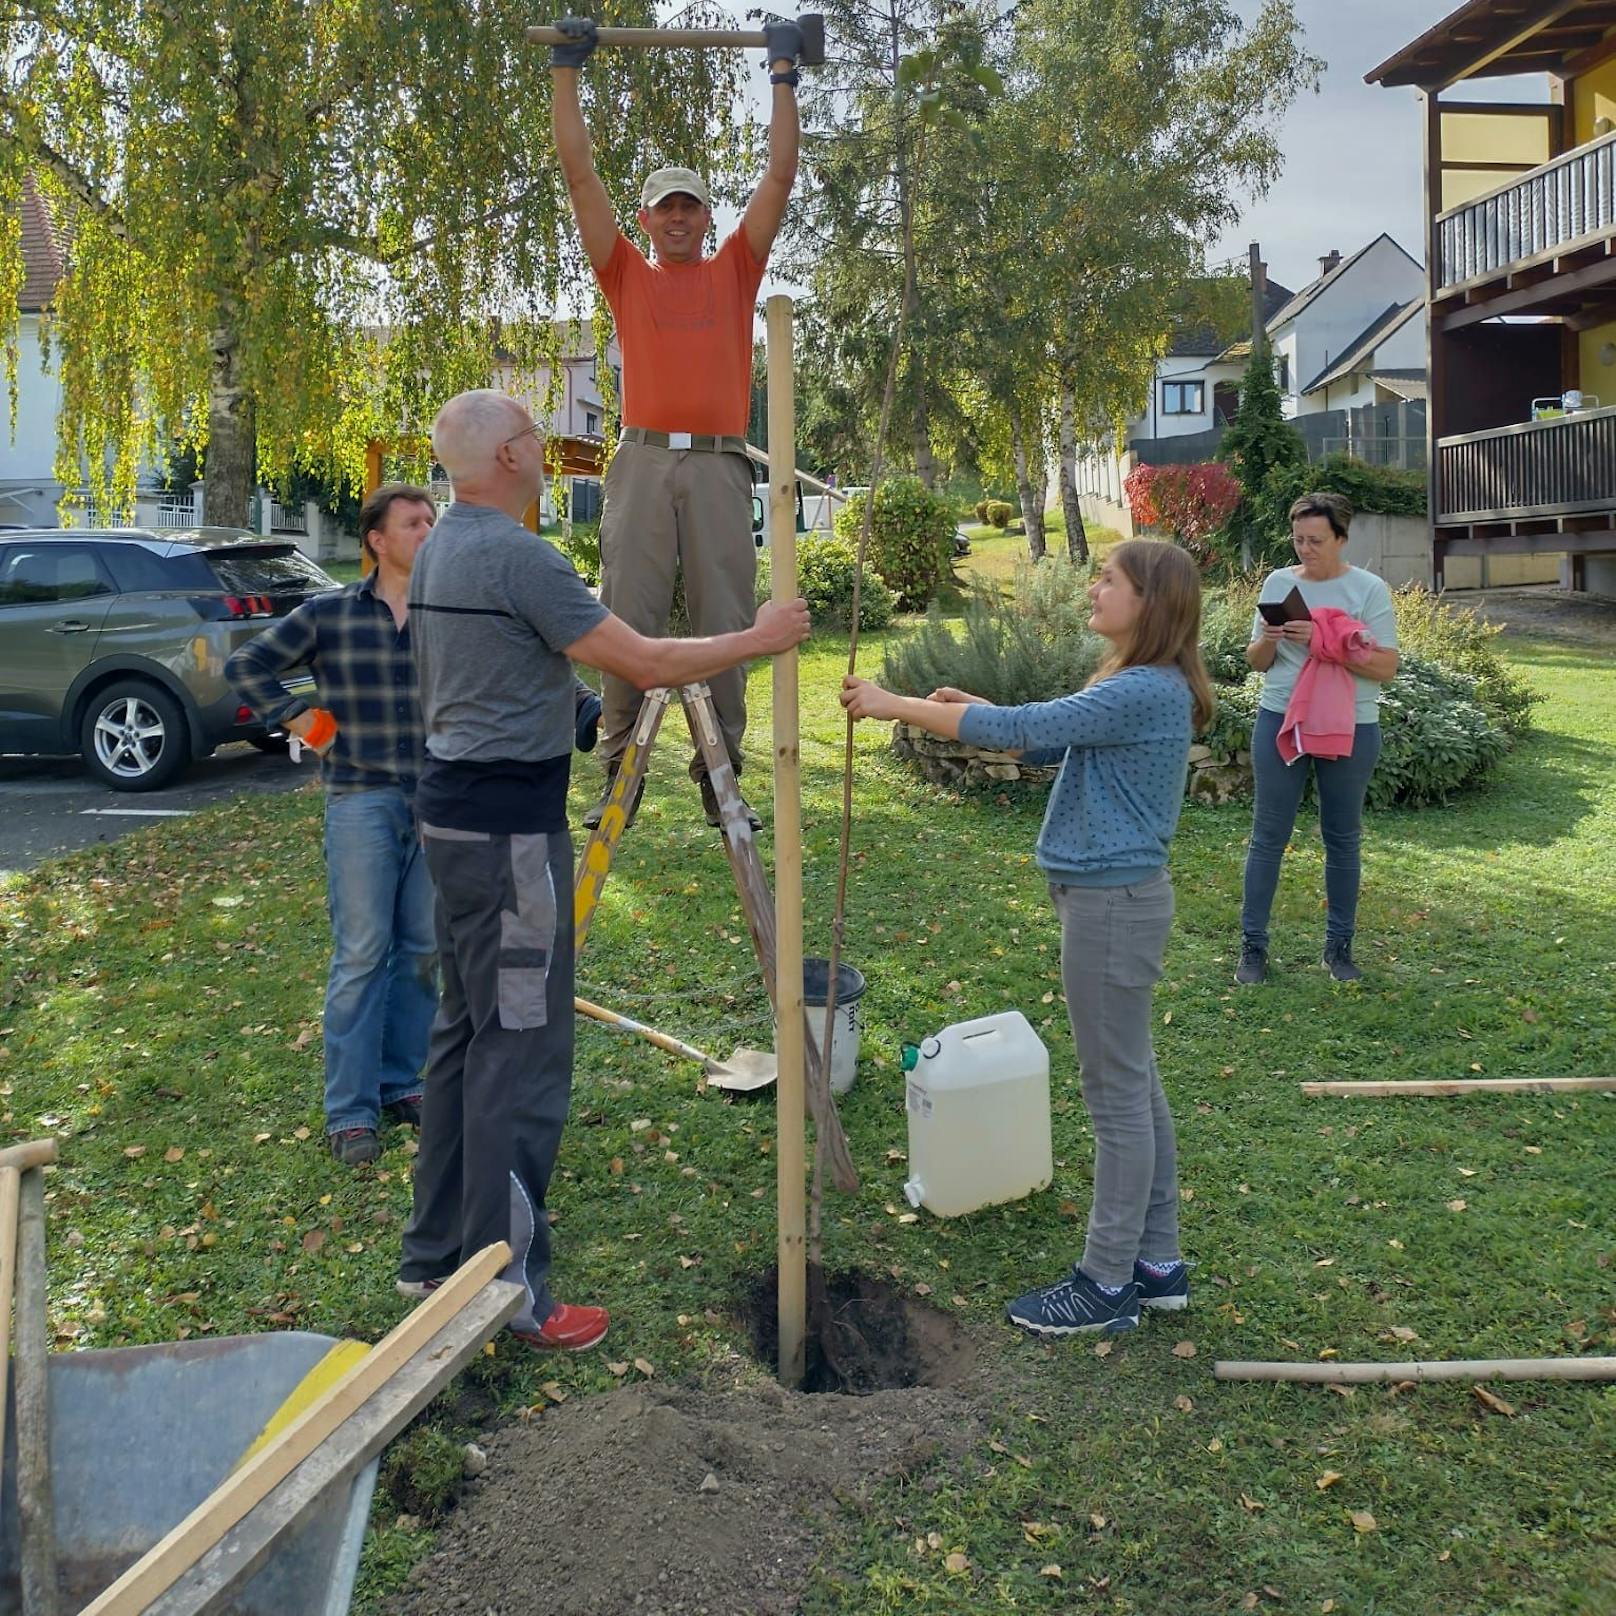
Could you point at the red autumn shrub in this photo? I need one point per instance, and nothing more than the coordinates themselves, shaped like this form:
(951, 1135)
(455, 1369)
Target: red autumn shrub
(1193, 503)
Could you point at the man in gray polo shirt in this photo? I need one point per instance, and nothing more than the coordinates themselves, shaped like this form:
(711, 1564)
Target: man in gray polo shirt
(497, 613)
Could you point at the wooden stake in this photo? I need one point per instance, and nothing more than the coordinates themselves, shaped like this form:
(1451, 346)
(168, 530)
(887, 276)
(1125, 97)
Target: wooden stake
(790, 1147)
(1472, 1085)
(1357, 1374)
(36, 1513)
(10, 1196)
(36, 1153)
(149, 1578)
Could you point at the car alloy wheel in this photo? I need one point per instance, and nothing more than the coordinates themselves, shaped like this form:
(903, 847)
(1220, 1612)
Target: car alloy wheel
(129, 737)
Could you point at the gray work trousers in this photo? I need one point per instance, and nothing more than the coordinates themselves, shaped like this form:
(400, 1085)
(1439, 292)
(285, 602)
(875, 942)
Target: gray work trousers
(1112, 943)
(499, 1066)
(690, 510)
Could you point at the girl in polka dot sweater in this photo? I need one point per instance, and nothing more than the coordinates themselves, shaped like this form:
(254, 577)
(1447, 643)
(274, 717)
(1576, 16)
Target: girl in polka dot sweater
(1123, 745)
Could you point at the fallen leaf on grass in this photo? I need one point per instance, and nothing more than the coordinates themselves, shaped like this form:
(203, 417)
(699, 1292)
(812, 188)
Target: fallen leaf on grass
(303, 1039)
(1051, 1571)
(1185, 1349)
(134, 1152)
(552, 1390)
(262, 1138)
(301, 1133)
(174, 1153)
(1184, 1405)
(1533, 1150)
(618, 1369)
(1249, 1602)
(1491, 1400)
(1036, 1531)
(1401, 1332)
(313, 1240)
(645, 1367)
(1097, 1521)
(1102, 1349)
(1215, 1445)
(1251, 1504)
(1328, 1479)
(909, 1217)
(1363, 1521)
(1457, 1206)
(996, 1446)
(1325, 1262)
(957, 1563)
(1467, 1172)
(689, 1262)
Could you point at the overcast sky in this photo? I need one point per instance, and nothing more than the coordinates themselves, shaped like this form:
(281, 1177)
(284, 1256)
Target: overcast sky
(1353, 151)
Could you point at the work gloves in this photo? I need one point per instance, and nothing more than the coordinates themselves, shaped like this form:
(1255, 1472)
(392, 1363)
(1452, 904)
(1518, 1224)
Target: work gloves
(782, 42)
(580, 29)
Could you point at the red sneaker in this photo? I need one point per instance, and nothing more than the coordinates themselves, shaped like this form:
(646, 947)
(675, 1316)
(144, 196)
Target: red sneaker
(571, 1329)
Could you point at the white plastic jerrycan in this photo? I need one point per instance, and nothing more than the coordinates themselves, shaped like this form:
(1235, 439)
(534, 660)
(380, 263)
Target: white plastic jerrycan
(978, 1105)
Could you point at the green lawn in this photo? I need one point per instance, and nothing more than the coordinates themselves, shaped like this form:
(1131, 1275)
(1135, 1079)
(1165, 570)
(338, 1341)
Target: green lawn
(159, 1001)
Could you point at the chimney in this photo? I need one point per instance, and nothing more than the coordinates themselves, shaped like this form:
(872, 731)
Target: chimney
(1328, 263)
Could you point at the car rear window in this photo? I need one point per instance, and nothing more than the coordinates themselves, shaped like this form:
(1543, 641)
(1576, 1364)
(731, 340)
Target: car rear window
(269, 571)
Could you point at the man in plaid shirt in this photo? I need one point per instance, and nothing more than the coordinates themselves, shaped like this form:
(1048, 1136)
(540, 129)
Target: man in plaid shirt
(382, 991)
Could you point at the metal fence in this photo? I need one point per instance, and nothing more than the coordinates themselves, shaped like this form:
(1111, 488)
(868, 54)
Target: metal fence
(176, 510)
(1568, 200)
(1382, 434)
(283, 519)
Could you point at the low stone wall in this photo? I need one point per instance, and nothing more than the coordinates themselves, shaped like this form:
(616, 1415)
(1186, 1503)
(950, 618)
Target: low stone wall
(1213, 777)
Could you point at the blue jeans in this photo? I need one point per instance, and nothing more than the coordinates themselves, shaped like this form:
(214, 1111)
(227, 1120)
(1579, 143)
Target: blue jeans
(383, 990)
(1342, 784)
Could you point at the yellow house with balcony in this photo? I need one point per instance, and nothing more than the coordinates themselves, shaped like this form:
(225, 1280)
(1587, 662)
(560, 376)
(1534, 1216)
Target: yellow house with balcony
(1521, 266)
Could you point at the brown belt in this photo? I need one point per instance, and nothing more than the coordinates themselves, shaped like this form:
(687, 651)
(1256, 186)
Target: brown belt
(705, 442)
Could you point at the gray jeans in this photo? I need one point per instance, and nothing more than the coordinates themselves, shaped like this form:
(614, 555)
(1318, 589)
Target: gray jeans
(499, 1068)
(688, 511)
(1112, 942)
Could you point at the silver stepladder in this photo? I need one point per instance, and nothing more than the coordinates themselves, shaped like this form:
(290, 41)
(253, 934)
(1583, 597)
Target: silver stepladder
(740, 843)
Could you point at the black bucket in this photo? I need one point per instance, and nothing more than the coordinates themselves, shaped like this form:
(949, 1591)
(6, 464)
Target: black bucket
(816, 975)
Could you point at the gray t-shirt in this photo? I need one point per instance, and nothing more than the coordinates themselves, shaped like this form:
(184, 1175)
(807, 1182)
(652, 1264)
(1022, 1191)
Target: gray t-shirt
(492, 607)
(1358, 593)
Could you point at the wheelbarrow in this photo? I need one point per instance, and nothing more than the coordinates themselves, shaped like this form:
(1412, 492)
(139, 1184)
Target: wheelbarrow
(141, 1435)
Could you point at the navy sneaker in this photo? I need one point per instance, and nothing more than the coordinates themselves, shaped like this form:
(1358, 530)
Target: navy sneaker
(1076, 1306)
(1169, 1292)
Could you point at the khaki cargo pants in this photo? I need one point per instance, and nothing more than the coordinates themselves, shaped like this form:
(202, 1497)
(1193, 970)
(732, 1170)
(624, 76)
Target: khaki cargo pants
(690, 510)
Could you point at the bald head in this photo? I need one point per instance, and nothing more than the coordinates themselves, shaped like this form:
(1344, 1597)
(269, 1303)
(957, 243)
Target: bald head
(469, 429)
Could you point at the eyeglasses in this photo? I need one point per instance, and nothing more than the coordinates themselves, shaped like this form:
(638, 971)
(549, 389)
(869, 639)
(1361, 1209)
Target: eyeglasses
(526, 432)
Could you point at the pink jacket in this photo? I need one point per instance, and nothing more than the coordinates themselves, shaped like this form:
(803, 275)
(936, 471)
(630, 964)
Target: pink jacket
(1321, 717)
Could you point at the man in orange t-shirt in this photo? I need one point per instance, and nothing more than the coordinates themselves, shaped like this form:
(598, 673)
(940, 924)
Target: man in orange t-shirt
(679, 489)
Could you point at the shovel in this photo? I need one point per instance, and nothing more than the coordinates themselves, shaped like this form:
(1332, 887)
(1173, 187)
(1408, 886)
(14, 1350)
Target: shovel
(744, 1072)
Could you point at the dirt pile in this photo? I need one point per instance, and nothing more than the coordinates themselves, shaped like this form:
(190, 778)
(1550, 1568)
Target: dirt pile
(673, 1501)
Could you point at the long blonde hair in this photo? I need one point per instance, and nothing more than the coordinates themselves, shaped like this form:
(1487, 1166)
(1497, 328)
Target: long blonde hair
(1169, 624)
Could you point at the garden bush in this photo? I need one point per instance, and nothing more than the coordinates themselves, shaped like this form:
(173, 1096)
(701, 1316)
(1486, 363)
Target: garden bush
(825, 569)
(1382, 490)
(1446, 720)
(1000, 511)
(1457, 639)
(911, 538)
(1192, 503)
(982, 510)
(1029, 645)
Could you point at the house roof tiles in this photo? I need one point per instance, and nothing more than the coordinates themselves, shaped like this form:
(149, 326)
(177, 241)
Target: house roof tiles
(43, 260)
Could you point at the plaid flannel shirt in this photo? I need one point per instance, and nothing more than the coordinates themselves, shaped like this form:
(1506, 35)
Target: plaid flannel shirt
(362, 664)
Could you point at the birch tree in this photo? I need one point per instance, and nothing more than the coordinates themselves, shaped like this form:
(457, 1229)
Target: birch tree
(297, 224)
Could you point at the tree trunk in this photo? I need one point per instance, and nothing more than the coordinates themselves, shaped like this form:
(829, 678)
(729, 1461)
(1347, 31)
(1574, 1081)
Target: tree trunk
(925, 463)
(230, 469)
(1077, 539)
(1032, 498)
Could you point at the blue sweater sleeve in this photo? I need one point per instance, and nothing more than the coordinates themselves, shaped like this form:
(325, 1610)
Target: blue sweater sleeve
(1125, 708)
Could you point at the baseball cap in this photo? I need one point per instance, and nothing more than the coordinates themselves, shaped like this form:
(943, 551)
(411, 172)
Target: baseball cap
(663, 182)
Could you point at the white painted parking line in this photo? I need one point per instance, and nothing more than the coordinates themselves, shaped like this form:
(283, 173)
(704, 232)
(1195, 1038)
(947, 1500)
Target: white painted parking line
(140, 813)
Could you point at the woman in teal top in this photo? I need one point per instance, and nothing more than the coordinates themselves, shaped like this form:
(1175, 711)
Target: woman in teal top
(1322, 577)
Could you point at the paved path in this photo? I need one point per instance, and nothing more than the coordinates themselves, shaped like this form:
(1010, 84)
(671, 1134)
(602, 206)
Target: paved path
(51, 805)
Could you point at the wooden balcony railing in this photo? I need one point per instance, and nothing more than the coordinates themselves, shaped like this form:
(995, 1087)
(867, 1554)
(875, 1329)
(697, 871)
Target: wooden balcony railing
(1561, 467)
(1566, 203)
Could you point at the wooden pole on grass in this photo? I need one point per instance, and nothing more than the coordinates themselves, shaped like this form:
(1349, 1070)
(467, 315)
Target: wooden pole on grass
(1359, 1374)
(1456, 1087)
(790, 1149)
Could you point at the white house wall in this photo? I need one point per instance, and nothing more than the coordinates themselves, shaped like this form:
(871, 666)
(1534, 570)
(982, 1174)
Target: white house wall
(1338, 316)
(1187, 368)
(27, 456)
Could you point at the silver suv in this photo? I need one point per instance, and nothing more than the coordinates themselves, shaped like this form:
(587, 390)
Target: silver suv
(113, 642)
